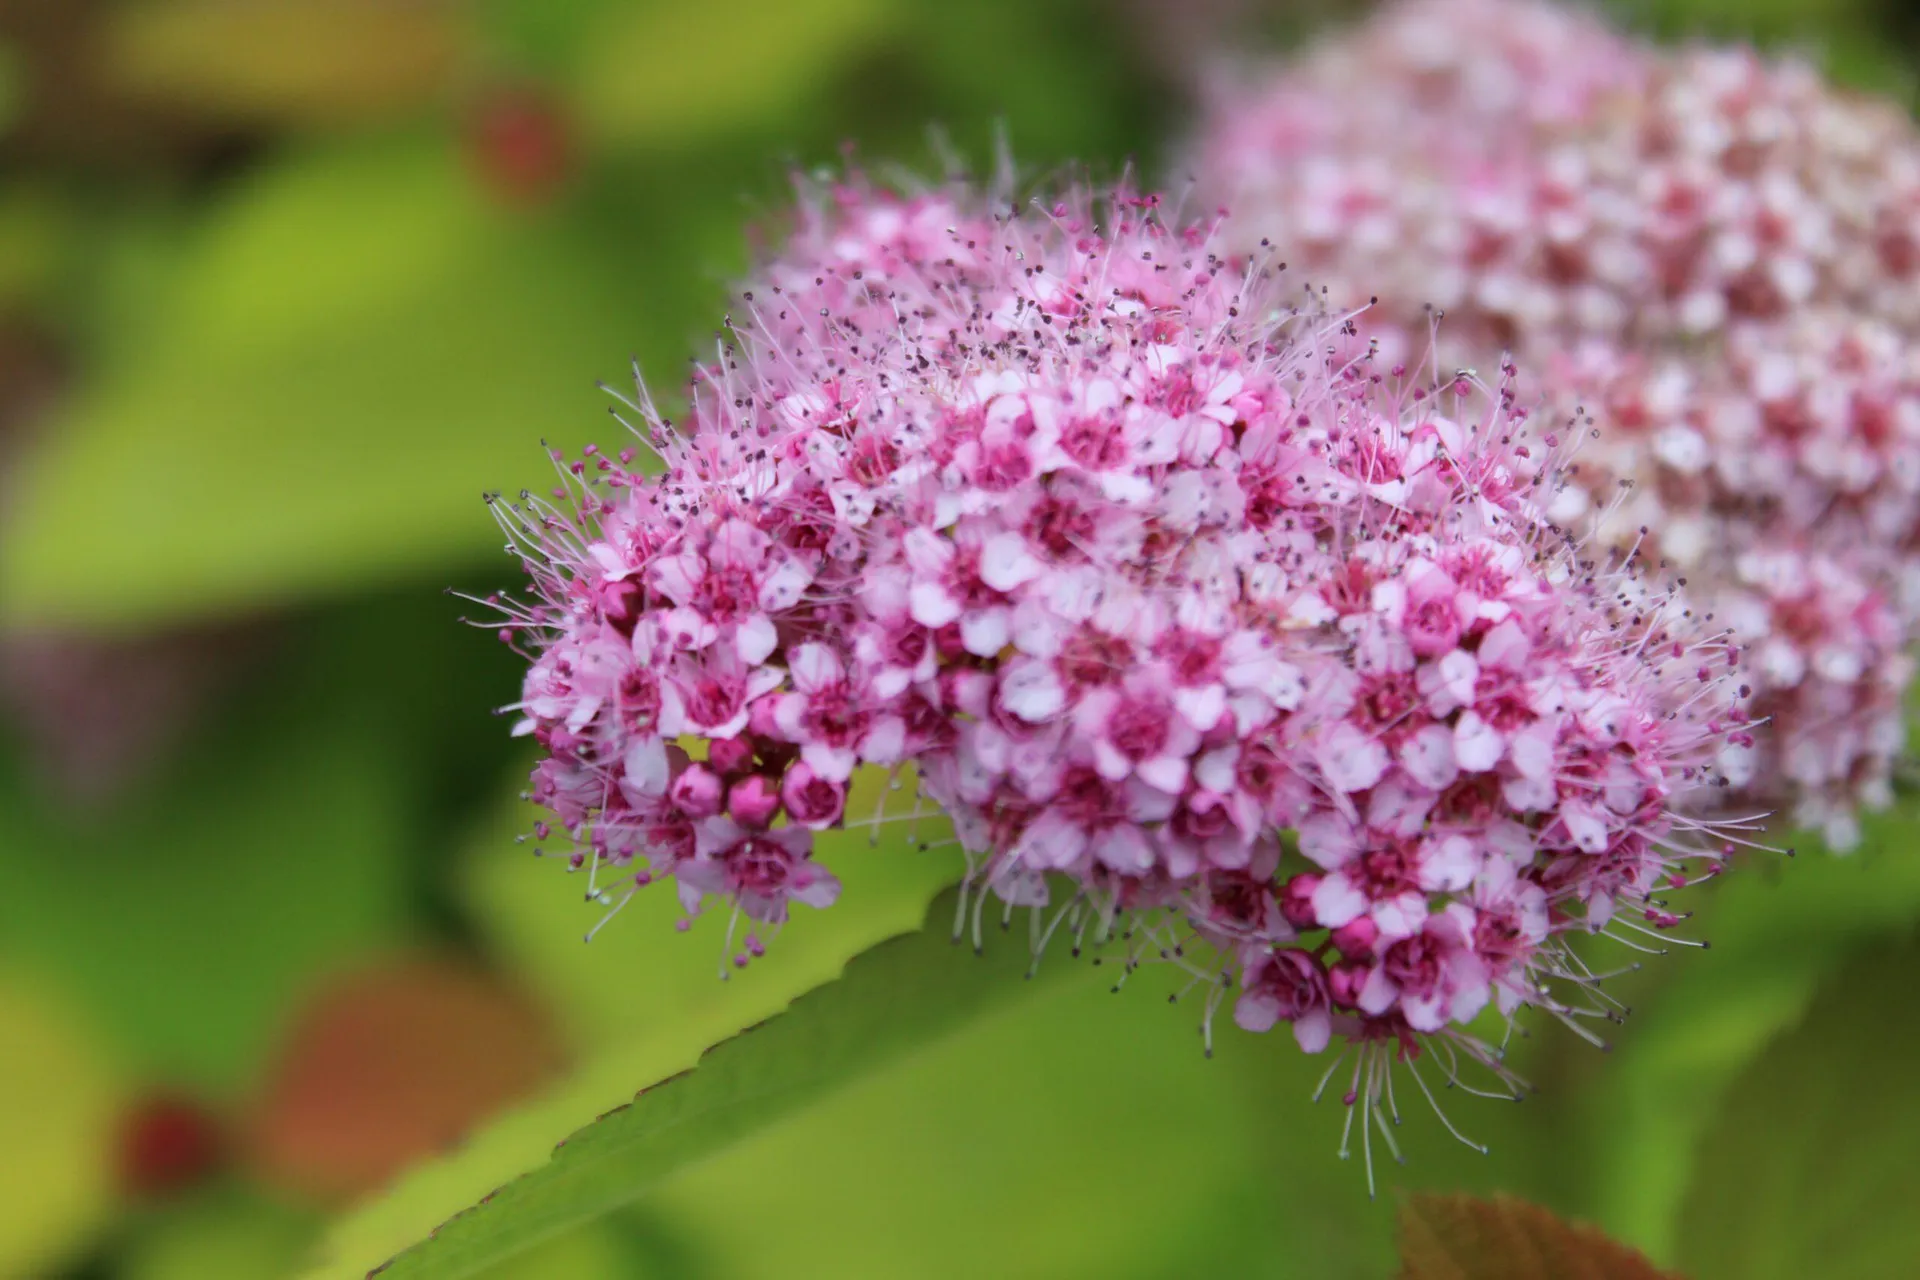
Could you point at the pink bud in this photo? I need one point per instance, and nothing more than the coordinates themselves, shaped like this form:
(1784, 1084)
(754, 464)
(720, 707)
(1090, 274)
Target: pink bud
(697, 792)
(760, 719)
(1344, 982)
(1356, 938)
(730, 757)
(1296, 901)
(753, 801)
(620, 603)
(811, 800)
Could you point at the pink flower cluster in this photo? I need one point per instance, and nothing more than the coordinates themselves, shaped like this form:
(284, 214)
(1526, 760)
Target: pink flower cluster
(1185, 608)
(1715, 255)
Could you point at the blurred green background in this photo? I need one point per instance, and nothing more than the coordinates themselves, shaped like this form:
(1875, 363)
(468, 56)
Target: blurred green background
(284, 285)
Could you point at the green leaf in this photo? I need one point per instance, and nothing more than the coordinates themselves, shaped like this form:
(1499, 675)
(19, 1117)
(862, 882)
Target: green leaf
(895, 998)
(1742, 19)
(670, 72)
(60, 1102)
(1459, 1237)
(356, 347)
(1004, 1148)
(226, 1235)
(1777, 929)
(1021, 1146)
(1808, 1168)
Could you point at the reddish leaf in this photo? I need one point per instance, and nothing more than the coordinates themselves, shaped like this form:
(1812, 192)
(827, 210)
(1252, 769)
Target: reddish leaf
(390, 1065)
(1461, 1237)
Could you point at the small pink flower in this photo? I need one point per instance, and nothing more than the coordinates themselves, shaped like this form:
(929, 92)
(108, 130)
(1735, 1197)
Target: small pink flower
(1433, 976)
(762, 870)
(811, 800)
(1286, 984)
(831, 720)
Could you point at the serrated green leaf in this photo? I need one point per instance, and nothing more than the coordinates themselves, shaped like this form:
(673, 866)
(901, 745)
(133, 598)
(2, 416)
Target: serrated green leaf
(894, 998)
(1459, 1237)
(1808, 1168)
(1006, 1149)
(1778, 928)
(355, 348)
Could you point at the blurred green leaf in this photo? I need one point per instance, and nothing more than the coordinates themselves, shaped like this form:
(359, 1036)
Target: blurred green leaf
(1742, 19)
(534, 915)
(663, 71)
(1053, 77)
(1777, 930)
(892, 999)
(189, 922)
(226, 1235)
(237, 1235)
(1458, 1237)
(357, 347)
(34, 237)
(281, 62)
(1808, 1168)
(60, 1100)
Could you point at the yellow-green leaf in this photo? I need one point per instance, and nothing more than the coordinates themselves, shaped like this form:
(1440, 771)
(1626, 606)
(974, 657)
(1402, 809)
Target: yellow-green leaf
(60, 1102)
(357, 346)
(670, 72)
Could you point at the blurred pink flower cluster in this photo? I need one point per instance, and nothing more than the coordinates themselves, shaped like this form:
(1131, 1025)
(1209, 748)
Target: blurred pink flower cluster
(1195, 615)
(1714, 255)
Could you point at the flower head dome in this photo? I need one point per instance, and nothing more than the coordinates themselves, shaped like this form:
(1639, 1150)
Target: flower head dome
(1710, 253)
(1185, 606)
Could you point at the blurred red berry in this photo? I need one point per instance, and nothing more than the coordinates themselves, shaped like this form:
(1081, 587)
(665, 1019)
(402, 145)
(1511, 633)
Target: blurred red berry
(167, 1143)
(520, 146)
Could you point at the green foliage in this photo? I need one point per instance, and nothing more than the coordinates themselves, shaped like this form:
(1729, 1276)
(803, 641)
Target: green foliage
(662, 72)
(1777, 929)
(226, 1234)
(188, 921)
(1808, 1169)
(356, 348)
(60, 1097)
(1456, 1237)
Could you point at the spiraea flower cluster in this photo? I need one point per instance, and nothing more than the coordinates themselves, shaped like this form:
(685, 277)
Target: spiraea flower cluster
(1713, 254)
(1202, 623)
